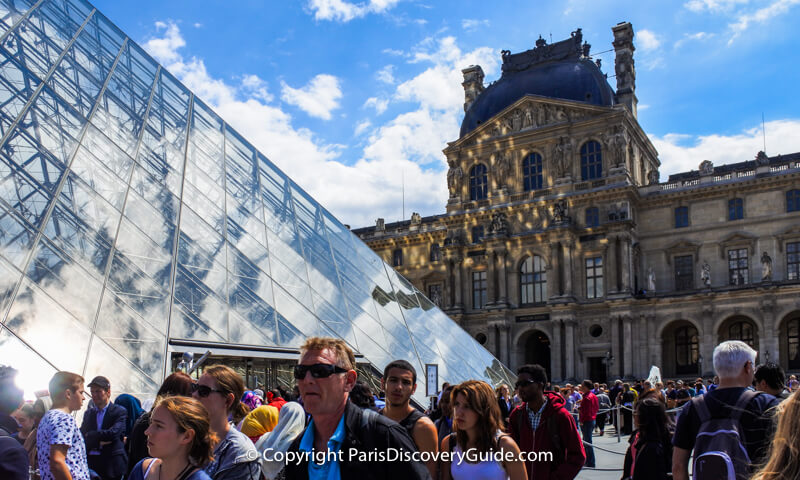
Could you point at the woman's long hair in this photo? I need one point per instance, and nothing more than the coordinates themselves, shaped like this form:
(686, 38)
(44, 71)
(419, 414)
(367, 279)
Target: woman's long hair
(480, 398)
(230, 381)
(190, 414)
(652, 420)
(784, 455)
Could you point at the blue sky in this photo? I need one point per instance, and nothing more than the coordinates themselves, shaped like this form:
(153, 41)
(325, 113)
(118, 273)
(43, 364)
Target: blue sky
(353, 99)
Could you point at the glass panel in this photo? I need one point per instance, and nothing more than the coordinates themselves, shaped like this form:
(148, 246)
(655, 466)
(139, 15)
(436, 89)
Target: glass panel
(185, 325)
(9, 277)
(51, 125)
(291, 310)
(16, 239)
(11, 12)
(148, 296)
(16, 87)
(42, 323)
(72, 235)
(120, 371)
(98, 214)
(202, 301)
(22, 195)
(34, 372)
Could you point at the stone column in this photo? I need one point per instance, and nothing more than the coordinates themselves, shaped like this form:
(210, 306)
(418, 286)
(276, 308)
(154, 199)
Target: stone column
(458, 283)
(502, 277)
(556, 370)
(449, 285)
(569, 269)
(503, 329)
(614, 370)
(491, 278)
(554, 272)
(569, 346)
(492, 341)
(708, 342)
(627, 260)
(611, 265)
(768, 338)
(627, 332)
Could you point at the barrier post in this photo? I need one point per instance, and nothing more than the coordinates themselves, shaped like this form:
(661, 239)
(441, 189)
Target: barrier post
(619, 424)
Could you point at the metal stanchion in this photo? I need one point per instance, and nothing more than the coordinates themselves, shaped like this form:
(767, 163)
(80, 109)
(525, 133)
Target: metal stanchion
(619, 424)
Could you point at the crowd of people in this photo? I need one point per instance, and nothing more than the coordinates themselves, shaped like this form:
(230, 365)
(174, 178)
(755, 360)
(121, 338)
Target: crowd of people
(737, 426)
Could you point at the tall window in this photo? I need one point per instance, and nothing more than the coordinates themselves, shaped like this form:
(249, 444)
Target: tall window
(594, 277)
(793, 339)
(735, 209)
(478, 183)
(435, 294)
(742, 331)
(477, 234)
(687, 350)
(532, 172)
(591, 161)
(592, 217)
(684, 274)
(793, 201)
(793, 261)
(397, 257)
(436, 253)
(681, 217)
(738, 267)
(479, 296)
(532, 281)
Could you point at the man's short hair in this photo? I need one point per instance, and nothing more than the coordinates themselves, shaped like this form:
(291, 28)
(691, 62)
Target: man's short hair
(773, 374)
(588, 384)
(731, 356)
(537, 372)
(10, 394)
(63, 381)
(402, 365)
(344, 355)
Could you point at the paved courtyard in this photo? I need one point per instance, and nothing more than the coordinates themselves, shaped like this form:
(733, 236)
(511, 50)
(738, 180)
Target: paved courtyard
(609, 465)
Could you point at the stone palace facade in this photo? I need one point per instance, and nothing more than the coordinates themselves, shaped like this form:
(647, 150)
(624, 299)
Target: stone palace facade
(561, 246)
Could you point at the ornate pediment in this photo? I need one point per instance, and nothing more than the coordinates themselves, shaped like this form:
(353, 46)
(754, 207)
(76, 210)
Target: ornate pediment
(682, 246)
(530, 113)
(790, 234)
(737, 239)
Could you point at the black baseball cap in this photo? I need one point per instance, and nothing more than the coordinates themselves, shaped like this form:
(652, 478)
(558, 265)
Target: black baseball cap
(100, 381)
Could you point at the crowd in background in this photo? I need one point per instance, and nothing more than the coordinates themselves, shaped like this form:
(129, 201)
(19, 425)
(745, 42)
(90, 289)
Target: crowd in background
(213, 428)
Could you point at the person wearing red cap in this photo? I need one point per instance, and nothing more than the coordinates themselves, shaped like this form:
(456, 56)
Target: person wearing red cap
(103, 428)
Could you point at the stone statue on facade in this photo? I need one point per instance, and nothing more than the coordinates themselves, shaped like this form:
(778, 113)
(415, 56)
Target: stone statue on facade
(766, 267)
(706, 167)
(762, 158)
(454, 175)
(527, 120)
(456, 237)
(499, 225)
(562, 157)
(561, 212)
(436, 298)
(651, 280)
(502, 167)
(516, 120)
(652, 177)
(416, 218)
(705, 275)
(380, 225)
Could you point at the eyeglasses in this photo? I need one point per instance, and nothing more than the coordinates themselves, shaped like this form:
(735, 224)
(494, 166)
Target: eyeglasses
(318, 370)
(523, 383)
(203, 391)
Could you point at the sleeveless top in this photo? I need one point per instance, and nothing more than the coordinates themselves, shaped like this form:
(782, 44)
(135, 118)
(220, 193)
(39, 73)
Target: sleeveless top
(411, 420)
(487, 469)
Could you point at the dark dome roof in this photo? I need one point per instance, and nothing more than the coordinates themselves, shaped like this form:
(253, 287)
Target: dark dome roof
(576, 79)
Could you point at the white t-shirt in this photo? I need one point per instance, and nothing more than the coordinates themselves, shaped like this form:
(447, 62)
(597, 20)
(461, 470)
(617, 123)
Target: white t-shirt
(59, 428)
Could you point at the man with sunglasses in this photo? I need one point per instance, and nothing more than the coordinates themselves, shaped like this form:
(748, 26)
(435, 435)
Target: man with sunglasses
(343, 440)
(542, 424)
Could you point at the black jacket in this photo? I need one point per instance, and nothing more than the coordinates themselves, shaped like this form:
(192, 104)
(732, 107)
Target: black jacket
(13, 458)
(365, 434)
(653, 460)
(112, 461)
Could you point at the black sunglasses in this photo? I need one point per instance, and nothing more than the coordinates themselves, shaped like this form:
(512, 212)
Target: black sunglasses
(204, 391)
(318, 370)
(523, 383)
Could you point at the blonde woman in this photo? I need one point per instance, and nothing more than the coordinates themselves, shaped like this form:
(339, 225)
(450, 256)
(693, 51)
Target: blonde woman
(784, 456)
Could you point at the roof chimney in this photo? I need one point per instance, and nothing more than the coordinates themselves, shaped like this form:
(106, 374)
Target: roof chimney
(473, 84)
(623, 65)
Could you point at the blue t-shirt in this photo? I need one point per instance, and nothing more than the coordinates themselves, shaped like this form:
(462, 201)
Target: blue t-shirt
(138, 472)
(330, 469)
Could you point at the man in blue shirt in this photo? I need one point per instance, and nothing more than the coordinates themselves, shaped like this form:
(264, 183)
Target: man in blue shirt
(343, 441)
(103, 428)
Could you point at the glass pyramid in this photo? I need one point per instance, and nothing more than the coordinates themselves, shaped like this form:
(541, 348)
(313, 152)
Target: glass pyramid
(132, 215)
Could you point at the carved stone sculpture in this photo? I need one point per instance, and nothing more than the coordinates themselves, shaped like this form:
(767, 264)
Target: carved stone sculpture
(706, 167)
(380, 225)
(499, 225)
(562, 158)
(651, 280)
(527, 121)
(705, 275)
(652, 177)
(561, 212)
(416, 218)
(516, 120)
(456, 237)
(454, 175)
(762, 159)
(766, 267)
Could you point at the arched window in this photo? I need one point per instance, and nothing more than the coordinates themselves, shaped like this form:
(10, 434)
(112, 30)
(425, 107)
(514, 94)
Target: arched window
(591, 160)
(743, 331)
(793, 343)
(532, 281)
(478, 182)
(532, 172)
(687, 350)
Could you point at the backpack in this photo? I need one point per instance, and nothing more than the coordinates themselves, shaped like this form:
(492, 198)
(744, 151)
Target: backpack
(719, 451)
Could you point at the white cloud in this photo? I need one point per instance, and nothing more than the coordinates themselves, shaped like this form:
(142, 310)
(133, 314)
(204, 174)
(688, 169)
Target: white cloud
(386, 74)
(391, 51)
(198, 25)
(647, 40)
(470, 24)
(317, 99)
(343, 11)
(689, 37)
(256, 87)
(165, 49)
(362, 127)
(712, 5)
(380, 105)
(681, 152)
(760, 16)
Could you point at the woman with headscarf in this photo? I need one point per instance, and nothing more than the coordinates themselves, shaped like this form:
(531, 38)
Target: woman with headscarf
(134, 408)
(291, 422)
(259, 421)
